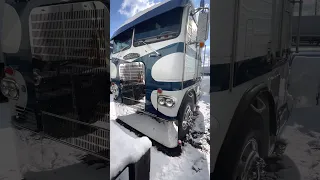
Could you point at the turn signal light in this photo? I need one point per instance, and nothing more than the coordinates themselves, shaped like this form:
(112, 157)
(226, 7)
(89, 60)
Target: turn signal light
(201, 44)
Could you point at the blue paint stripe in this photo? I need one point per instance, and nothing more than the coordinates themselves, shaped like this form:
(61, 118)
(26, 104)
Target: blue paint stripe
(245, 71)
(151, 84)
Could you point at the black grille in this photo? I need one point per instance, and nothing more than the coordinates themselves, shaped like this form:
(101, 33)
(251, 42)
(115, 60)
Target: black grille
(69, 35)
(26, 117)
(93, 138)
(68, 44)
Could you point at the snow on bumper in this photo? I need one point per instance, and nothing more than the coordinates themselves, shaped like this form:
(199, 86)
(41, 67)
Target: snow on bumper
(128, 149)
(164, 132)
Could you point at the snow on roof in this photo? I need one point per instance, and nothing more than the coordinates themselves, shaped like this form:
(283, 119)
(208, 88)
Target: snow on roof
(125, 149)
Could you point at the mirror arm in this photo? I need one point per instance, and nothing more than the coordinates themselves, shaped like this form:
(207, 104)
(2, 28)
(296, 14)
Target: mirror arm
(193, 42)
(199, 9)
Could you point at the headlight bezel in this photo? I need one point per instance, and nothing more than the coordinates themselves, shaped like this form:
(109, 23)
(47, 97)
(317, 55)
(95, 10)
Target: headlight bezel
(161, 101)
(167, 98)
(168, 103)
(7, 86)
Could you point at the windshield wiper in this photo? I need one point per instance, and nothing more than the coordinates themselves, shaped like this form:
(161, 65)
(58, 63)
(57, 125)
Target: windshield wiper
(121, 50)
(151, 55)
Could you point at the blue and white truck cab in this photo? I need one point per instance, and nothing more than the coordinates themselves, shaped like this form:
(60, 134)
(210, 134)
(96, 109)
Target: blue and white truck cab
(155, 68)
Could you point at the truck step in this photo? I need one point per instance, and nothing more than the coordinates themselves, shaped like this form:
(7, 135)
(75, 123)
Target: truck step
(161, 131)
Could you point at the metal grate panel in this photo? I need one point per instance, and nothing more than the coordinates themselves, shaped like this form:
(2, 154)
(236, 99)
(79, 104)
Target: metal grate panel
(25, 117)
(68, 31)
(68, 44)
(93, 138)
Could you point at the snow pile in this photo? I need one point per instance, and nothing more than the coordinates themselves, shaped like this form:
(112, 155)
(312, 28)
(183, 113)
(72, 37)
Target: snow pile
(125, 149)
(194, 161)
(303, 151)
(44, 154)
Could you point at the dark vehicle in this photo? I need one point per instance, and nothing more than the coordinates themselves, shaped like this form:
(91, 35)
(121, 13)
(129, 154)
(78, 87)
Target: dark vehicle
(56, 74)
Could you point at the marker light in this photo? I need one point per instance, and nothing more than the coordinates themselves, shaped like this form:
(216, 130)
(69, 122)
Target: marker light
(9, 71)
(201, 44)
(159, 90)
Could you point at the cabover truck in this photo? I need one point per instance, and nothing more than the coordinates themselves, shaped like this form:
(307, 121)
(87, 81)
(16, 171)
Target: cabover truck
(155, 69)
(56, 56)
(250, 103)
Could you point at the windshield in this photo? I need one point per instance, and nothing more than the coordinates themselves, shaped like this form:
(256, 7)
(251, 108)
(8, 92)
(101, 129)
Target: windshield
(122, 41)
(163, 27)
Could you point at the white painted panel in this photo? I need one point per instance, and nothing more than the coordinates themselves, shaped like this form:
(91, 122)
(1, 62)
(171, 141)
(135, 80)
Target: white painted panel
(190, 68)
(113, 70)
(11, 30)
(168, 68)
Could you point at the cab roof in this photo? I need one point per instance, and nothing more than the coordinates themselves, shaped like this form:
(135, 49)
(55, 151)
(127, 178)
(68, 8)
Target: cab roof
(150, 13)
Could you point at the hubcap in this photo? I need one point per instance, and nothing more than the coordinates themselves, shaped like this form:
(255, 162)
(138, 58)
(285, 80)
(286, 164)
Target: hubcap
(250, 165)
(187, 118)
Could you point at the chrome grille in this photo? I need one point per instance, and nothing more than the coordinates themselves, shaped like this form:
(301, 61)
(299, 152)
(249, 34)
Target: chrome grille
(131, 71)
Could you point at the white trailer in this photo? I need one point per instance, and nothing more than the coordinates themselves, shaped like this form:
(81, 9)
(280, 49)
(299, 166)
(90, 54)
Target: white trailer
(250, 49)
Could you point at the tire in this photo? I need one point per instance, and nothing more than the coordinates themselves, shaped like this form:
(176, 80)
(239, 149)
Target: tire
(185, 124)
(228, 163)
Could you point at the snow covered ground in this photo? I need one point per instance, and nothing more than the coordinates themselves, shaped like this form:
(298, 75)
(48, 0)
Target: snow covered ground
(301, 160)
(194, 161)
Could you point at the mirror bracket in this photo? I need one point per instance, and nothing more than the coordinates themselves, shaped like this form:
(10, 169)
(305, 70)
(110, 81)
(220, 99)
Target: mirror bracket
(192, 13)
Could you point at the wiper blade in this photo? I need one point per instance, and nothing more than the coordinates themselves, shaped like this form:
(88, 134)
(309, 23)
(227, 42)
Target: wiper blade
(151, 55)
(121, 50)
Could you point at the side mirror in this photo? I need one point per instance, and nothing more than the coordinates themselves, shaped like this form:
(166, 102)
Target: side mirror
(203, 27)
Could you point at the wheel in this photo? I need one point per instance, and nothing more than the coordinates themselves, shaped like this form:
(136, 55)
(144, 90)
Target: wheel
(249, 165)
(241, 155)
(185, 115)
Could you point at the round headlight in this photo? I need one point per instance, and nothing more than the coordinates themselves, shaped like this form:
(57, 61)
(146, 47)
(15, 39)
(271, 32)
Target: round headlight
(161, 100)
(169, 102)
(4, 88)
(13, 90)
(13, 93)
